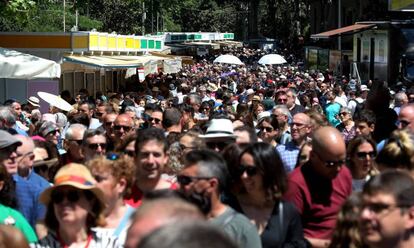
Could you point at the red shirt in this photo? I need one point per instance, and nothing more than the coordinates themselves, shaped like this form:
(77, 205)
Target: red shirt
(135, 200)
(318, 199)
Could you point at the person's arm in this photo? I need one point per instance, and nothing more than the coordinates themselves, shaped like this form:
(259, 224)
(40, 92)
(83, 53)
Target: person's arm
(319, 243)
(41, 229)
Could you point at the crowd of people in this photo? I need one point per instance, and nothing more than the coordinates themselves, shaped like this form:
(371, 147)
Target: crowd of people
(216, 155)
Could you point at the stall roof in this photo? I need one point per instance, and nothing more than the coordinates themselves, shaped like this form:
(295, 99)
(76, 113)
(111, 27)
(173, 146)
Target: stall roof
(17, 65)
(108, 61)
(345, 30)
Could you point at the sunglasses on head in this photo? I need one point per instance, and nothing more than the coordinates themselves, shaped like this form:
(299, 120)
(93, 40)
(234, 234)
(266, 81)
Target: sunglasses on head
(186, 180)
(72, 196)
(95, 146)
(363, 155)
(119, 127)
(156, 120)
(250, 170)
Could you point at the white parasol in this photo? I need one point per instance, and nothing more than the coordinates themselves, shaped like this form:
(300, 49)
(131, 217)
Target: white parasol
(228, 59)
(55, 101)
(272, 59)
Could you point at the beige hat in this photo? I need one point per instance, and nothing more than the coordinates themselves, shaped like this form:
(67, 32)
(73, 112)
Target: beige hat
(34, 101)
(75, 175)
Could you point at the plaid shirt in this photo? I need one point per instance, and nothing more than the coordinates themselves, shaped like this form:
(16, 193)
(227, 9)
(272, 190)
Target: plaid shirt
(289, 154)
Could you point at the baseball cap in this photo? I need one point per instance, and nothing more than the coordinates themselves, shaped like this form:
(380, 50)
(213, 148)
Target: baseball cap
(6, 139)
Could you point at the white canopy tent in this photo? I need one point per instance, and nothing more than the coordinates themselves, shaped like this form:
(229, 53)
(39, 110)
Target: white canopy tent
(17, 65)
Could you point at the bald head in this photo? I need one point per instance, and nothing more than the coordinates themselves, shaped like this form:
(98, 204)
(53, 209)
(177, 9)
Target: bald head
(300, 128)
(328, 151)
(153, 214)
(123, 124)
(406, 117)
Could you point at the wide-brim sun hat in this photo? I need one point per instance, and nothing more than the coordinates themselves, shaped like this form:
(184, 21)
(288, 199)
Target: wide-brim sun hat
(34, 101)
(219, 128)
(77, 176)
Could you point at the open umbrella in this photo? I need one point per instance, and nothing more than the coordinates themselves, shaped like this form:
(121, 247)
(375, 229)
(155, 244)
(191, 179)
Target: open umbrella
(55, 101)
(272, 59)
(228, 59)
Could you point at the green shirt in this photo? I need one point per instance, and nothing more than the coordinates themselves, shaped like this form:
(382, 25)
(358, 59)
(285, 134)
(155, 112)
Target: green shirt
(9, 216)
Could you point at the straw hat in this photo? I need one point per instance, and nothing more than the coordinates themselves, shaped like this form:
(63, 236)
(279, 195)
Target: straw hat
(75, 175)
(34, 101)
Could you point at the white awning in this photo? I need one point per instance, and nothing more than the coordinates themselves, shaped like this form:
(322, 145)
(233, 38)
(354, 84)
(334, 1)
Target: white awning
(17, 65)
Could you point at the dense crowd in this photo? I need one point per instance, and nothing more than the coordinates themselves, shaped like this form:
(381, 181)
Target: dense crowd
(216, 155)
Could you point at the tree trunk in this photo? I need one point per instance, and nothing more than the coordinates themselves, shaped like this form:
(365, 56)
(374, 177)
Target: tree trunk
(253, 31)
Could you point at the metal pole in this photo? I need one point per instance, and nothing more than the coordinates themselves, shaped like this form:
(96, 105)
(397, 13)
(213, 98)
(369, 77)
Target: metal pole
(157, 21)
(339, 24)
(64, 15)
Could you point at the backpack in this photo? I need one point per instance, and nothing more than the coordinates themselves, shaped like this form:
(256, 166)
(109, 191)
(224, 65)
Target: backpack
(358, 108)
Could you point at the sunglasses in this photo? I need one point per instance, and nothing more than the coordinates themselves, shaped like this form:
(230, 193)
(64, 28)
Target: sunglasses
(186, 180)
(119, 127)
(250, 170)
(219, 145)
(72, 196)
(156, 120)
(268, 129)
(129, 153)
(343, 113)
(9, 150)
(79, 142)
(95, 146)
(363, 155)
(109, 123)
(52, 132)
(282, 100)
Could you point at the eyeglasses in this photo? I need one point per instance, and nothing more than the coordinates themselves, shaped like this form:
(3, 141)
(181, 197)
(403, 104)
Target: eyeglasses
(378, 208)
(52, 132)
(363, 155)
(112, 156)
(343, 113)
(129, 153)
(72, 196)
(29, 155)
(183, 147)
(250, 170)
(9, 150)
(156, 120)
(109, 123)
(219, 145)
(282, 100)
(186, 180)
(119, 127)
(332, 164)
(79, 142)
(268, 129)
(95, 146)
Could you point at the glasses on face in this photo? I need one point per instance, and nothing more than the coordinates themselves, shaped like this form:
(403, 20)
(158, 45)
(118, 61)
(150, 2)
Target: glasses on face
(250, 170)
(79, 142)
(29, 155)
(282, 100)
(96, 145)
(268, 129)
(332, 164)
(129, 153)
(219, 145)
(343, 113)
(363, 155)
(186, 180)
(109, 123)
(9, 150)
(53, 133)
(119, 127)
(379, 208)
(72, 196)
(156, 120)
